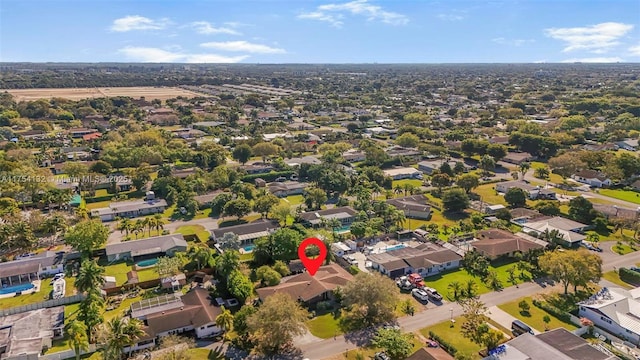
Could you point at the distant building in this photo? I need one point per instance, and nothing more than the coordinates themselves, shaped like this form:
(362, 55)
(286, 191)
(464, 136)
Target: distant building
(414, 207)
(592, 178)
(628, 144)
(345, 214)
(166, 245)
(495, 243)
(518, 158)
(247, 233)
(130, 209)
(403, 173)
(287, 188)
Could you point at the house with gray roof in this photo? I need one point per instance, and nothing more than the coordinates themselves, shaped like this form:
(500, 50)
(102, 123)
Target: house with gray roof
(25, 335)
(616, 310)
(166, 245)
(247, 233)
(130, 209)
(287, 188)
(414, 207)
(425, 259)
(345, 214)
(35, 267)
(571, 231)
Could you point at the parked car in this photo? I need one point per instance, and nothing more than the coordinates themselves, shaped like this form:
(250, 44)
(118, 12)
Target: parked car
(420, 295)
(391, 327)
(597, 249)
(381, 356)
(351, 260)
(281, 179)
(433, 294)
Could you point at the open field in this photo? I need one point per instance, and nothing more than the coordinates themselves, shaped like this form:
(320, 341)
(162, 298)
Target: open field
(149, 92)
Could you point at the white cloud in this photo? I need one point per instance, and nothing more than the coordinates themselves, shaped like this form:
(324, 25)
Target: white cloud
(635, 50)
(595, 60)
(597, 38)
(137, 22)
(243, 46)
(333, 13)
(450, 17)
(512, 42)
(156, 55)
(206, 28)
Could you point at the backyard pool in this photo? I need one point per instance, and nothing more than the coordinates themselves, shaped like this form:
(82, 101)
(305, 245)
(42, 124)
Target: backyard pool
(396, 247)
(16, 288)
(248, 248)
(147, 263)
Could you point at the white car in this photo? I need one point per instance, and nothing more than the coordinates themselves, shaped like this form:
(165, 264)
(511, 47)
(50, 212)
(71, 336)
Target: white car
(420, 294)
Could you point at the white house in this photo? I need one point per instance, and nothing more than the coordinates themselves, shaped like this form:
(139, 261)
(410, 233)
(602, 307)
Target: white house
(403, 173)
(592, 178)
(425, 259)
(129, 209)
(615, 310)
(570, 230)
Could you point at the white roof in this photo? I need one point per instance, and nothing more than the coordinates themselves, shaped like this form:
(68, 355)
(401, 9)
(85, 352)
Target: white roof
(340, 246)
(400, 171)
(621, 306)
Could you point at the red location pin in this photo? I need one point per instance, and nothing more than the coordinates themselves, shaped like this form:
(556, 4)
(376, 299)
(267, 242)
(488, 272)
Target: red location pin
(312, 265)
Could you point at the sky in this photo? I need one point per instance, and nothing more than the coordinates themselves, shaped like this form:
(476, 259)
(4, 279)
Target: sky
(326, 31)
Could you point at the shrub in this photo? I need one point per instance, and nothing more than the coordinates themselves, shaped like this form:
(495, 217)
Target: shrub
(443, 344)
(561, 315)
(629, 276)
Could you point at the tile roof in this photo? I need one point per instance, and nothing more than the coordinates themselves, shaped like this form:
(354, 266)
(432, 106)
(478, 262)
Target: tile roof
(497, 242)
(306, 287)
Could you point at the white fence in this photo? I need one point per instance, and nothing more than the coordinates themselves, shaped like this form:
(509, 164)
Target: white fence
(42, 305)
(67, 354)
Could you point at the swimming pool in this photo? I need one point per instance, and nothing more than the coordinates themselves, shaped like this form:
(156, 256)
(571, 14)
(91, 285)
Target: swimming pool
(396, 247)
(145, 263)
(248, 248)
(16, 288)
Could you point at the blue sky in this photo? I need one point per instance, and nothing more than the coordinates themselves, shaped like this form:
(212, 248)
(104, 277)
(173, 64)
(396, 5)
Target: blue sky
(328, 31)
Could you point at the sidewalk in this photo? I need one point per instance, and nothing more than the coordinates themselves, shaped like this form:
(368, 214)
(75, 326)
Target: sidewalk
(503, 318)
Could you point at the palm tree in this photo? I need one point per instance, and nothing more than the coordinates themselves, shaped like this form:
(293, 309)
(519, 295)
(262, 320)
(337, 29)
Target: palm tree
(203, 256)
(90, 276)
(524, 167)
(125, 225)
(456, 289)
(146, 224)
(118, 333)
(397, 218)
(138, 227)
(82, 213)
(397, 189)
(224, 320)
(158, 223)
(77, 335)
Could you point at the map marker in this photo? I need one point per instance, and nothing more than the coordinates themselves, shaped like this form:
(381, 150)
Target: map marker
(312, 265)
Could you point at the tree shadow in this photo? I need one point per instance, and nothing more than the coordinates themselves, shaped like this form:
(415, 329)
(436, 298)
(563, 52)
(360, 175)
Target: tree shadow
(455, 215)
(228, 223)
(525, 313)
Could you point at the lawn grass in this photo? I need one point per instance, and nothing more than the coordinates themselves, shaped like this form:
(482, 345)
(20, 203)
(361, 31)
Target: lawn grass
(102, 192)
(614, 277)
(97, 205)
(535, 315)
(292, 200)
(42, 295)
(203, 214)
(453, 336)
(198, 230)
(325, 326)
(622, 249)
(120, 270)
(489, 195)
(121, 309)
(441, 282)
(369, 351)
(626, 195)
(554, 178)
(415, 182)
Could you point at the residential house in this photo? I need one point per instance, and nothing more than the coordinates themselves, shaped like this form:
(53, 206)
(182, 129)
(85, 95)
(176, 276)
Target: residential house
(287, 188)
(130, 209)
(165, 245)
(430, 353)
(247, 233)
(405, 153)
(77, 133)
(257, 168)
(628, 144)
(403, 173)
(33, 135)
(493, 209)
(518, 158)
(503, 187)
(175, 282)
(91, 137)
(163, 117)
(414, 207)
(571, 231)
(345, 214)
(354, 155)
(173, 314)
(205, 200)
(426, 259)
(186, 133)
(542, 194)
(592, 178)
(24, 336)
(270, 137)
(310, 289)
(429, 166)
(615, 310)
(557, 344)
(500, 140)
(312, 160)
(380, 131)
(615, 211)
(340, 249)
(522, 215)
(495, 243)
(44, 264)
(636, 185)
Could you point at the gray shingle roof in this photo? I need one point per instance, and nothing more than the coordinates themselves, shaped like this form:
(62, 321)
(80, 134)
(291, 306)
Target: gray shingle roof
(163, 243)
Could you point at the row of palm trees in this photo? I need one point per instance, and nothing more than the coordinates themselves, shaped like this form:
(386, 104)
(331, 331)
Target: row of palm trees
(139, 226)
(114, 335)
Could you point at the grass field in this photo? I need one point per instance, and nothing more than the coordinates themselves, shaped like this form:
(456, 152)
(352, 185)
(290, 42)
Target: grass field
(292, 200)
(415, 182)
(42, 295)
(613, 277)
(453, 336)
(622, 249)
(148, 92)
(626, 195)
(441, 282)
(488, 194)
(197, 230)
(120, 270)
(325, 326)
(535, 316)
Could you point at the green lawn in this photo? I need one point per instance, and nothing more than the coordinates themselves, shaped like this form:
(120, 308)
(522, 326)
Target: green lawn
(415, 182)
(441, 282)
(613, 277)
(554, 178)
(623, 249)
(120, 270)
(453, 336)
(436, 218)
(535, 316)
(293, 200)
(325, 326)
(626, 195)
(198, 230)
(97, 205)
(121, 309)
(488, 194)
(42, 295)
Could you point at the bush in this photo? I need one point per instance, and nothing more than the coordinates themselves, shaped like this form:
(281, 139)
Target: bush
(629, 276)
(323, 306)
(443, 344)
(268, 177)
(354, 269)
(561, 315)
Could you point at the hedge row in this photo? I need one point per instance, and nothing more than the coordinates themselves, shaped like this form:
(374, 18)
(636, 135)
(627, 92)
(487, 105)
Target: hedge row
(271, 176)
(443, 344)
(629, 276)
(561, 315)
